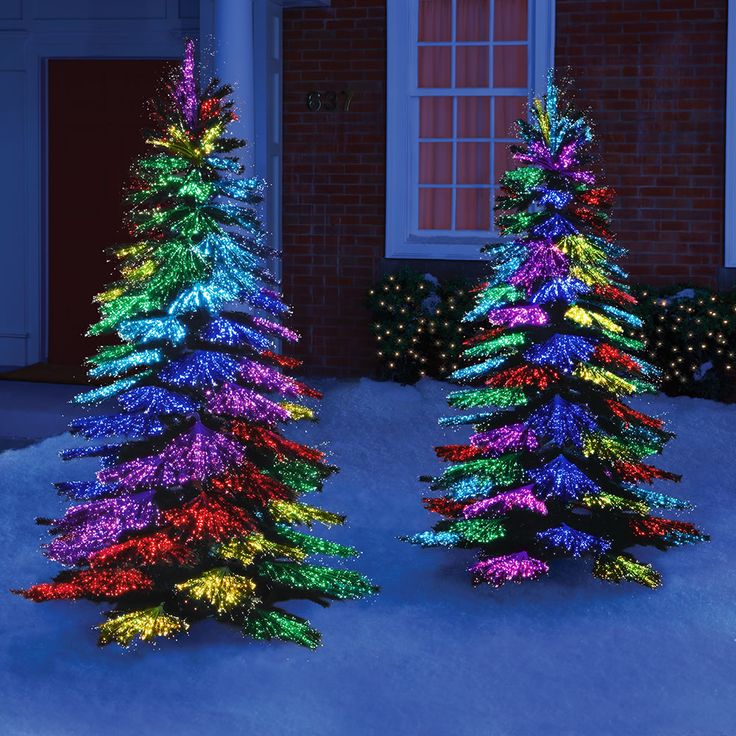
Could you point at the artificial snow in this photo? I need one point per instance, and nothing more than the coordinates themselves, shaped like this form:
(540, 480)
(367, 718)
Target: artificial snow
(429, 655)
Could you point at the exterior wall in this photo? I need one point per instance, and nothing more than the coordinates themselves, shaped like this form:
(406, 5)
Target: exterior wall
(654, 75)
(334, 179)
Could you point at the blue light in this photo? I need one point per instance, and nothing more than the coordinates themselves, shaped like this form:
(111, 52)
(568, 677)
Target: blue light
(245, 190)
(156, 400)
(561, 351)
(434, 539)
(106, 451)
(562, 421)
(200, 368)
(129, 425)
(566, 290)
(223, 164)
(475, 487)
(659, 500)
(152, 330)
(572, 542)
(106, 392)
(554, 198)
(117, 367)
(562, 480)
(83, 490)
(228, 332)
(630, 319)
(477, 371)
(268, 301)
(465, 419)
(554, 227)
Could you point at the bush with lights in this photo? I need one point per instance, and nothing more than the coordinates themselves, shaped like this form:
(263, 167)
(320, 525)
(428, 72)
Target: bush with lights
(690, 333)
(417, 324)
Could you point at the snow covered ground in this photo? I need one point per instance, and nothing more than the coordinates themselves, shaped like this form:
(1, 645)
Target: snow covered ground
(428, 656)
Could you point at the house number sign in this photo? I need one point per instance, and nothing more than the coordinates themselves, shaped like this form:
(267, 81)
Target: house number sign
(329, 100)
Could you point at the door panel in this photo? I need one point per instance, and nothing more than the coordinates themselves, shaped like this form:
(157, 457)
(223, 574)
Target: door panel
(97, 114)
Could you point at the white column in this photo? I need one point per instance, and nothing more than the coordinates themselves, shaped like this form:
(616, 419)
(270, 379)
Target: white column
(233, 64)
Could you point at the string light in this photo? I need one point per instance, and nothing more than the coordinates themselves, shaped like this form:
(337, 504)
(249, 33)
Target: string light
(212, 487)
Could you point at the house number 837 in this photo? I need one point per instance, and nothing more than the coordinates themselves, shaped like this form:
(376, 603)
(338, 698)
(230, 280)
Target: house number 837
(329, 100)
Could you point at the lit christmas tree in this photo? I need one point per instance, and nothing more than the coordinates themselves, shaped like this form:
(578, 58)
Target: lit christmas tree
(193, 512)
(555, 467)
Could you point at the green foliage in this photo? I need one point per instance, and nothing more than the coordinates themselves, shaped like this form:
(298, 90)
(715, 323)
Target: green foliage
(263, 623)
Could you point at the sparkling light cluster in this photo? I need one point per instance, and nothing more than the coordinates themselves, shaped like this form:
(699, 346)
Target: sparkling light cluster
(192, 511)
(520, 498)
(555, 462)
(514, 568)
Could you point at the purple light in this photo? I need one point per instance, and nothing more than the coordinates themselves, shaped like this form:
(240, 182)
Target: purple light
(195, 455)
(516, 568)
(276, 329)
(267, 378)
(504, 439)
(563, 163)
(89, 527)
(236, 401)
(514, 316)
(185, 92)
(519, 498)
(545, 262)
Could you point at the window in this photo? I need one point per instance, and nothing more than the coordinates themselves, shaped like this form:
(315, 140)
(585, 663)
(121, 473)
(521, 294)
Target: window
(459, 73)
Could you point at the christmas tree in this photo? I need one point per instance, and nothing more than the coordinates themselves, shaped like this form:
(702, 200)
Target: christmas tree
(193, 512)
(555, 466)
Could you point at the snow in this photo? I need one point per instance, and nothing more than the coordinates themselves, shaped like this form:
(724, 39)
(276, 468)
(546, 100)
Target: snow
(430, 654)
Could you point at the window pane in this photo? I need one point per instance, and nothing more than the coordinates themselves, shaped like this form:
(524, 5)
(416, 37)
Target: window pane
(435, 20)
(473, 163)
(509, 66)
(435, 163)
(471, 68)
(502, 161)
(435, 209)
(434, 66)
(435, 117)
(507, 110)
(473, 20)
(473, 117)
(473, 209)
(509, 20)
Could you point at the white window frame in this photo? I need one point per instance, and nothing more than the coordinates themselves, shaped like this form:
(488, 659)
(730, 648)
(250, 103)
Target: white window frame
(730, 203)
(402, 193)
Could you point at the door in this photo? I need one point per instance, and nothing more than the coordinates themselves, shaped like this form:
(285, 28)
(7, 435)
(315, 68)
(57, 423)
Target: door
(97, 114)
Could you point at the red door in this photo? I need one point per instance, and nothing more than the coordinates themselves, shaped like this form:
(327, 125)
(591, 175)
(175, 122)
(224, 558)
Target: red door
(97, 114)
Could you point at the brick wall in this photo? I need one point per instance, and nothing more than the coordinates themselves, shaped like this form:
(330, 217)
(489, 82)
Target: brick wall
(653, 74)
(334, 179)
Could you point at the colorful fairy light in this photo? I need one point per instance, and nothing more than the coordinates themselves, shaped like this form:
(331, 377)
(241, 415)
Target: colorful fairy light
(554, 466)
(518, 499)
(192, 511)
(515, 568)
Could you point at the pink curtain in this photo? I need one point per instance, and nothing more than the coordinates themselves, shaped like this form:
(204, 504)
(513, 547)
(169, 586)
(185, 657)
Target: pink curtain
(474, 163)
(435, 20)
(472, 20)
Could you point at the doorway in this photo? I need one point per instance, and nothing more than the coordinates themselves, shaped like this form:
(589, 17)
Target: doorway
(97, 114)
